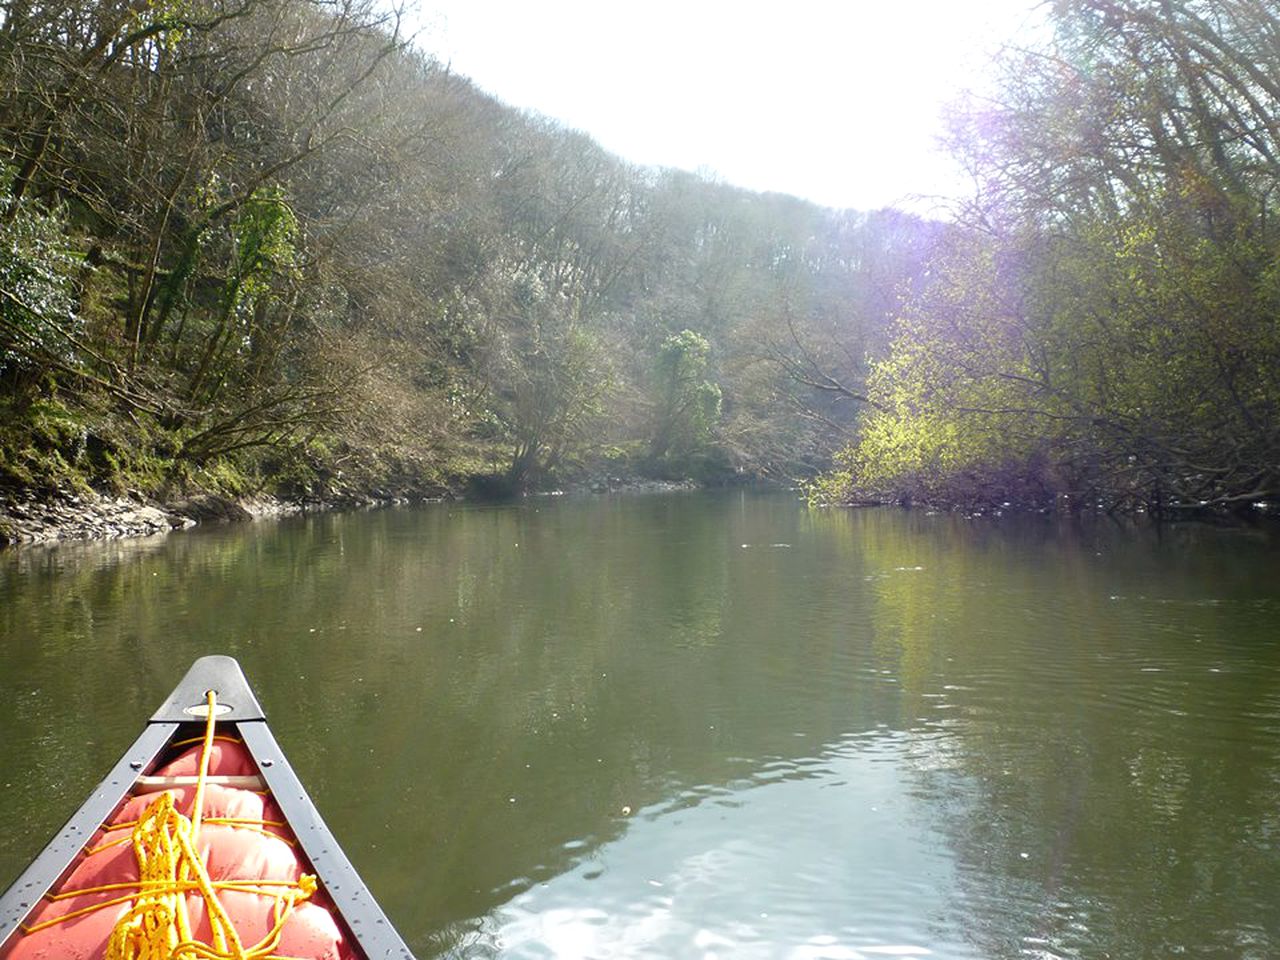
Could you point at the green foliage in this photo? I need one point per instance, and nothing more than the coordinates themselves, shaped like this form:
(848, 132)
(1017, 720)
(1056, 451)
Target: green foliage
(37, 302)
(171, 16)
(228, 478)
(549, 375)
(265, 235)
(687, 406)
(41, 446)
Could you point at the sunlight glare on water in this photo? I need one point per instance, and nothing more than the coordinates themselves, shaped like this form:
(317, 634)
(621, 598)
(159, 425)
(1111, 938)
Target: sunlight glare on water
(786, 863)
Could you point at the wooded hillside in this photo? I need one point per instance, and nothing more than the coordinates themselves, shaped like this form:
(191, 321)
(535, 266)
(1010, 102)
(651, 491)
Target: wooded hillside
(270, 244)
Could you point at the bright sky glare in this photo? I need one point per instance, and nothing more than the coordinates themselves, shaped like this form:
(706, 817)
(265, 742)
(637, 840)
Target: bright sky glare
(837, 101)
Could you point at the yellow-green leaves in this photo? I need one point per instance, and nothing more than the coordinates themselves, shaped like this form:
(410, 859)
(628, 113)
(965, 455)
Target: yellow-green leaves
(265, 234)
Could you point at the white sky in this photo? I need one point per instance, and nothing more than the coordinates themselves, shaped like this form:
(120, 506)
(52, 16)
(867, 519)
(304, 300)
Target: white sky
(837, 101)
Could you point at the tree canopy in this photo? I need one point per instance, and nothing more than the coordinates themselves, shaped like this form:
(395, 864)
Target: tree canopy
(1102, 326)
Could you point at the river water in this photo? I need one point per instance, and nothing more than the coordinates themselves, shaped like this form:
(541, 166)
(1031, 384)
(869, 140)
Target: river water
(710, 726)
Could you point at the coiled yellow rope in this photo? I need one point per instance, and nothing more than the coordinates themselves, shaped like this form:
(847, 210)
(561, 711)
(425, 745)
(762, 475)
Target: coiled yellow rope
(157, 926)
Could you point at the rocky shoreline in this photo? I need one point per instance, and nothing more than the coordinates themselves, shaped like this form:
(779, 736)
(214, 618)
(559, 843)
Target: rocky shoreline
(28, 519)
(98, 517)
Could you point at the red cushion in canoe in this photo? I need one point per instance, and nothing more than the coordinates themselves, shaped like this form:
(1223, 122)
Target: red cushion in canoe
(226, 759)
(219, 801)
(232, 853)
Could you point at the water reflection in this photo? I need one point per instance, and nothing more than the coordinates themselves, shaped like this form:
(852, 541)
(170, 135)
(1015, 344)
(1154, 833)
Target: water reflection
(883, 731)
(791, 860)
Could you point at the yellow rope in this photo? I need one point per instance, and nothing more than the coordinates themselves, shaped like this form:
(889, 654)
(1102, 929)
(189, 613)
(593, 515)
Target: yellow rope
(232, 821)
(246, 886)
(157, 926)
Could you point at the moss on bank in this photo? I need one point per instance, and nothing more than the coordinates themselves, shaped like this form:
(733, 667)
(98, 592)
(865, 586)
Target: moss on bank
(50, 449)
(70, 463)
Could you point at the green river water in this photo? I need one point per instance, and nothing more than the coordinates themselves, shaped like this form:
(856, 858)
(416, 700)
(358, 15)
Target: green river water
(710, 725)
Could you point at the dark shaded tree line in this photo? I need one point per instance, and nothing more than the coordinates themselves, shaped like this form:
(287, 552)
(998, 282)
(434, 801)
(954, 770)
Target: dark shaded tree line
(250, 242)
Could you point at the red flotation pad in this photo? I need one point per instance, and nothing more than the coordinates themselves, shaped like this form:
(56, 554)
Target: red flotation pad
(239, 851)
(227, 758)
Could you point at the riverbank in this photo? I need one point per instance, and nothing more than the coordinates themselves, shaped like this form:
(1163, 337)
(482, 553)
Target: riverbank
(93, 516)
(1066, 508)
(73, 474)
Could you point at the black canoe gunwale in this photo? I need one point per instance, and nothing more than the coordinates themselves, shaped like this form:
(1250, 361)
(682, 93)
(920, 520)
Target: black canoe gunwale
(364, 919)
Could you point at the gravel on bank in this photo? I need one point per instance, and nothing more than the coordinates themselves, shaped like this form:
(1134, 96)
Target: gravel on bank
(98, 517)
(27, 519)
